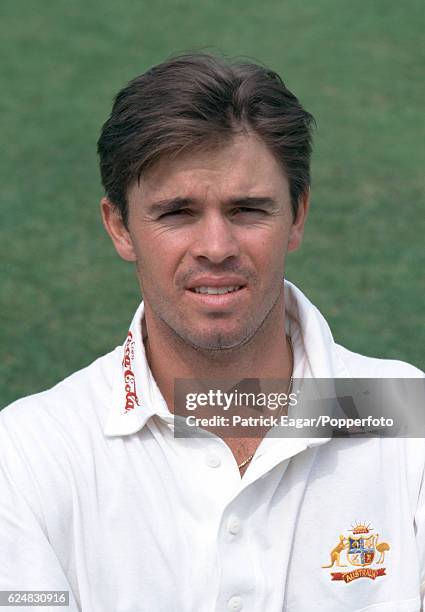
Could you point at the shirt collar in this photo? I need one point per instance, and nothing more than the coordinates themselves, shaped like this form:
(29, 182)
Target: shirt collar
(136, 396)
(315, 354)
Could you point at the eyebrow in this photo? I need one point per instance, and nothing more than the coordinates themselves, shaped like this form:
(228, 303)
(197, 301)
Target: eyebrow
(167, 206)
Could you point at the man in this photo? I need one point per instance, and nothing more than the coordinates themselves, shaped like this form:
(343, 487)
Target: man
(205, 166)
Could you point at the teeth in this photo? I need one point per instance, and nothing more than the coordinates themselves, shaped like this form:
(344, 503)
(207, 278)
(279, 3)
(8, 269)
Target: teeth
(216, 290)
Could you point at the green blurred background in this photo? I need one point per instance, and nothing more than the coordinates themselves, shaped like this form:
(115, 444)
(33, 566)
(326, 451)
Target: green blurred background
(66, 298)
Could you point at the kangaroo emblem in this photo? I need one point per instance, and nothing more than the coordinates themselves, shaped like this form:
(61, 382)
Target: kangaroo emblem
(336, 552)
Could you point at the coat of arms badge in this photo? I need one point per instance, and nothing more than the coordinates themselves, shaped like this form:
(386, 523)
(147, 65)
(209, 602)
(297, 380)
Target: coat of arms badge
(362, 549)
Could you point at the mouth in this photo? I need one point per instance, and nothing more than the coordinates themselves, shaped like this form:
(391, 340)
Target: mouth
(217, 299)
(216, 290)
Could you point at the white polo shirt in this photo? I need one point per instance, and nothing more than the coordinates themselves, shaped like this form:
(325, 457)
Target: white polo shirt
(98, 497)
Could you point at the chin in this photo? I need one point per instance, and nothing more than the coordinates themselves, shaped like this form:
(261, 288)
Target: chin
(217, 341)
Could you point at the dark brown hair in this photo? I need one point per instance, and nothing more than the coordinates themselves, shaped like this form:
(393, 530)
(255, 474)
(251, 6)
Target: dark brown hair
(197, 101)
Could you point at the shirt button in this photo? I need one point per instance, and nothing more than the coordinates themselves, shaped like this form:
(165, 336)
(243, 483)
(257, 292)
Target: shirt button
(212, 460)
(234, 526)
(235, 603)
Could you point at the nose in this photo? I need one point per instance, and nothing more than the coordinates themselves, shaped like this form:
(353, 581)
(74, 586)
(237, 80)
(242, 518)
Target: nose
(215, 240)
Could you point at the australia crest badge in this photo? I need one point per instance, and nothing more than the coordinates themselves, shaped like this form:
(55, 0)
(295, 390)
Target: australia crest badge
(361, 551)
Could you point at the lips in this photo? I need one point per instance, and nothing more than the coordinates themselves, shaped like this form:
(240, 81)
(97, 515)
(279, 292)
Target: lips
(217, 299)
(216, 290)
(216, 285)
(217, 293)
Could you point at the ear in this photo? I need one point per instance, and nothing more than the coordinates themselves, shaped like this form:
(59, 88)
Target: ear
(114, 225)
(297, 229)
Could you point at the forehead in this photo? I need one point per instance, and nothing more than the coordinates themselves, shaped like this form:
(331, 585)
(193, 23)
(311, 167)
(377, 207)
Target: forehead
(243, 166)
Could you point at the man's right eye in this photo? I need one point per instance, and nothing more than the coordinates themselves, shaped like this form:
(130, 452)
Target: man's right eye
(174, 213)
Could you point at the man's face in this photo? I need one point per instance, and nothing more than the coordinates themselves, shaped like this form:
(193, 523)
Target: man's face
(209, 232)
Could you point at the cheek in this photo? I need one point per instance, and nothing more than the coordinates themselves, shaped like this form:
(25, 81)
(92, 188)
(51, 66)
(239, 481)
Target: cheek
(267, 250)
(159, 255)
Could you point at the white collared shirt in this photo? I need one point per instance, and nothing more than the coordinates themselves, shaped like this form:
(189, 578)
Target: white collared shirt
(99, 498)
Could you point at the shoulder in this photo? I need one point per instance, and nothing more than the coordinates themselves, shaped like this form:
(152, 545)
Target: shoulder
(400, 384)
(362, 366)
(48, 441)
(78, 401)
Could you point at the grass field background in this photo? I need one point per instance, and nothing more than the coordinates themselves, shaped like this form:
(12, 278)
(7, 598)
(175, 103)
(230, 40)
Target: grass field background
(65, 296)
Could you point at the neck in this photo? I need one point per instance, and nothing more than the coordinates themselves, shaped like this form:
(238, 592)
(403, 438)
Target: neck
(265, 355)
